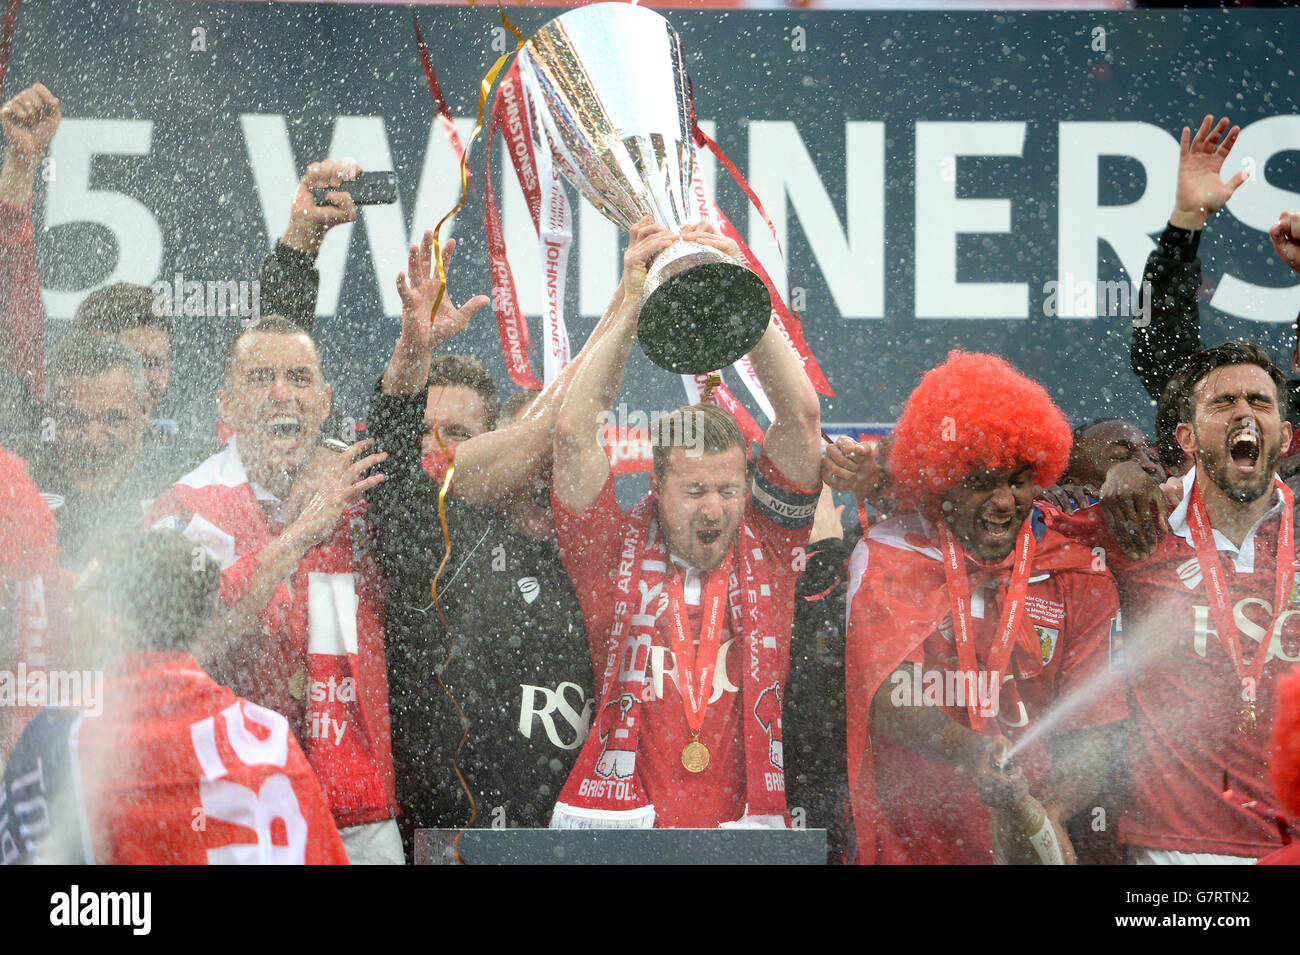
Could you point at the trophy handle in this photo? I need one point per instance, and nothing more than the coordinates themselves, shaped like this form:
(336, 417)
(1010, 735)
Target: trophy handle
(700, 309)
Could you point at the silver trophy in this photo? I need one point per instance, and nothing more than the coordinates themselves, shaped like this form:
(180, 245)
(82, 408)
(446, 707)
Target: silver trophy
(614, 107)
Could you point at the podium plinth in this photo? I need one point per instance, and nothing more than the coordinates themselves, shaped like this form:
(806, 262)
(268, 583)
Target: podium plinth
(623, 846)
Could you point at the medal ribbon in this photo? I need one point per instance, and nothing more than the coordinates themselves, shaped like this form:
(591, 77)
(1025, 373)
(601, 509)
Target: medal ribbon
(787, 321)
(695, 693)
(485, 87)
(707, 211)
(954, 569)
(1216, 588)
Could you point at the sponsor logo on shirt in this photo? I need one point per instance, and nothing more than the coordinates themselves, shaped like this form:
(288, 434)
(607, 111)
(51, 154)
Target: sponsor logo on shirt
(1284, 638)
(567, 703)
(663, 663)
(1189, 572)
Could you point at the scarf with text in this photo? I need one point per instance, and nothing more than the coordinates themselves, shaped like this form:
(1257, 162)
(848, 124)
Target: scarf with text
(604, 790)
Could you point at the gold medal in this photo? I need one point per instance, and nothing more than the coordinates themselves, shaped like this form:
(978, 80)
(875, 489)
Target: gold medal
(298, 683)
(1246, 719)
(695, 756)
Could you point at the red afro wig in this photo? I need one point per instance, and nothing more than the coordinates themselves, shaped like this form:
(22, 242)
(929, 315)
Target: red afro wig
(1284, 767)
(975, 411)
(28, 537)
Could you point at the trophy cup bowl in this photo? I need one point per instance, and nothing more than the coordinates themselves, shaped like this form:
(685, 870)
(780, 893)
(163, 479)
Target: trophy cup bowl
(611, 96)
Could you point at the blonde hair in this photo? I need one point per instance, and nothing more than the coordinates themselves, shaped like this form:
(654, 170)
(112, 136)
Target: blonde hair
(699, 429)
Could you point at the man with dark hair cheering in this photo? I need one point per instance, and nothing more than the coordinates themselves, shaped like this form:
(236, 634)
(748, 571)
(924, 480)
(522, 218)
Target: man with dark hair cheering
(1210, 623)
(300, 630)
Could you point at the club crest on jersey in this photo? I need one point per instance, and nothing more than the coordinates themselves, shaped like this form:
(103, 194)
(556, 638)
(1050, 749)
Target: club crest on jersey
(1294, 596)
(1189, 572)
(360, 539)
(1047, 640)
(529, 587)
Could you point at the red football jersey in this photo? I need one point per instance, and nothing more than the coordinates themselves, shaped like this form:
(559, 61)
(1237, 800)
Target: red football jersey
(319, 658)
(180, 770)
(927, 812)
(1196, 783)
(589, 546)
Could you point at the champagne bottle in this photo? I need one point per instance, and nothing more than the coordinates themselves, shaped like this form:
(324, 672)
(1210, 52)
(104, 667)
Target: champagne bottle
(1026, 835)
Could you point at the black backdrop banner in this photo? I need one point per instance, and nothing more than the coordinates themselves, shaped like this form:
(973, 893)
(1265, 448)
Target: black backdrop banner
(988, 181)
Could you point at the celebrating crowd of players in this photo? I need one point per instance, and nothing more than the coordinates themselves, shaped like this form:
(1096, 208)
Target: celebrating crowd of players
(1051, 645)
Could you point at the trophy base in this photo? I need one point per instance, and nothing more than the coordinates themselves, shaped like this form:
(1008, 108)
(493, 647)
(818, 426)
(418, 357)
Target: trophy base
(700, 310)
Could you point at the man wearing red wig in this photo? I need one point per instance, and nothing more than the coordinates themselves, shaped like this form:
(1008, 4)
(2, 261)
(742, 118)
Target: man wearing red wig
(976, 632)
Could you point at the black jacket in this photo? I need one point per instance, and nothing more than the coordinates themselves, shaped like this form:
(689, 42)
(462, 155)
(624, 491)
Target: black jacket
(1173, 333)
(515, 652)
(813, 720)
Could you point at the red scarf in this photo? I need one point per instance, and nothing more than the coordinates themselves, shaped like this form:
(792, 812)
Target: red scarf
(604, 790)
(901, 599)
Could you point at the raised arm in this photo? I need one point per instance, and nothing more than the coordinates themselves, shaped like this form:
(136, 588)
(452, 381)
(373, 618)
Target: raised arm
(288, 280)
(408, 369)
(1171, 331)
(581, 468)
(490, 467)
(28, 123)
(1285, 234)
(793, 441)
